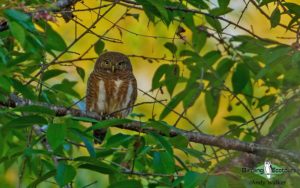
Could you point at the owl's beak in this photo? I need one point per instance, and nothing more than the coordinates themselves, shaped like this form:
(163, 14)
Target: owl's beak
(113, 68)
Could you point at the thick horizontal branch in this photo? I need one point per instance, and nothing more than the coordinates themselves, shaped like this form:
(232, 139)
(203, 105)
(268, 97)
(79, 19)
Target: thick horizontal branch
(221, 142)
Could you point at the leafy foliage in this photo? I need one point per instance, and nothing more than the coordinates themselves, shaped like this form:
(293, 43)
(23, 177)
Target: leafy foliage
(258, 78)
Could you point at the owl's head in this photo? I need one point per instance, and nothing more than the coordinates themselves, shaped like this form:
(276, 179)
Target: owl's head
(112, 62)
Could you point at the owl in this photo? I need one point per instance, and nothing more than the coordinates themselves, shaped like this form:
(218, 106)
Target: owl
(111, 89)
(268, 169)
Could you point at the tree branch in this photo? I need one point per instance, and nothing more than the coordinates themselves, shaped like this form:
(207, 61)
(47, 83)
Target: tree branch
(221, 142)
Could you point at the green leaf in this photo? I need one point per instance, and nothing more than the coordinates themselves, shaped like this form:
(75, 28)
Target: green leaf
(53, 40)
(240, 78)
(99, 46)
(266, 100)
(199, 39)
(284, 113)
(171, 47)
(52, 74)
(55, 135)
(275, 17)
(126, 184)
(26, 121)
(212, 99)
(198, 4)
(293, 8)
(159, 73)
(194, 179)
(34, 109)
(80, 71)
(89, 146)
(239, 119)
(224, 67)
(97, 167)
(42, 178)
(163, 142)
(289, 129)
(192, 96)
(172, 104)
(67, 87)
(17, 31)
(160, 7)
(160, 126)
(214, 23)
(25, 90)
(220, 11)
(212, 57)
(179, 141)
(109, 123)
(117, 140)
(217, 182)
(172, 76)
(194, 153)
(64, 174)
(85, 119)
(163, 163)
(223, 3)
(21, 18)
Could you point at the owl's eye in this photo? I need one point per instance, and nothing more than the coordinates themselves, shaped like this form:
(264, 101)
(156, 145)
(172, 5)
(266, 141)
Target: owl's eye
(106, 62)
(120, 63)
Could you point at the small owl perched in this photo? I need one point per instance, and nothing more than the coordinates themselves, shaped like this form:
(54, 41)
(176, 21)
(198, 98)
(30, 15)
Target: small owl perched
(111, 88)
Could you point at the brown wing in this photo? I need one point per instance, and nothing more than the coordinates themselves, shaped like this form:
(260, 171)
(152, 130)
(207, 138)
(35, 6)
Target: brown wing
(133, 96)
(91, 93)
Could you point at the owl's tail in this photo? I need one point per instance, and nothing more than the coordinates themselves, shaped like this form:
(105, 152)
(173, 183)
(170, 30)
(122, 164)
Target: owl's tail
(99, 135)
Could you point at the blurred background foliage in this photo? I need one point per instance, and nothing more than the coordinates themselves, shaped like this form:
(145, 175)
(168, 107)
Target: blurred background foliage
(218, 67)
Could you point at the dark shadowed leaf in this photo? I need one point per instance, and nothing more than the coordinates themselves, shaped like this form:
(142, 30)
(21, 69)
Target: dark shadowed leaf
(212, 98)
(172, 76)
(240, 78)
(126, 184)
(199, 40)
(52, 74)
(26, 121)
(266, 100)
(159, 73)
(171, 47)
(214, 23)
(275, 17)
(293, 8)
(239, 119)
(99, 46)
(80, 71)
(172, 104)
(42, 178)
(34, 109)
(53, 40)
(109, 123)
(224, 67)
(223, 3)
